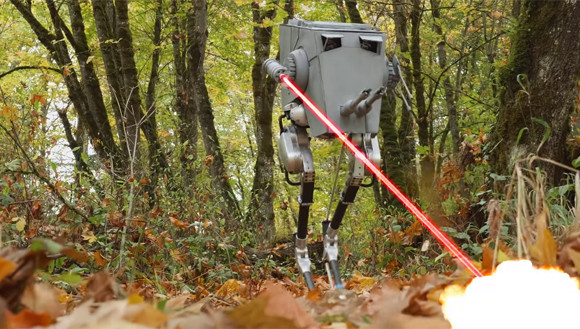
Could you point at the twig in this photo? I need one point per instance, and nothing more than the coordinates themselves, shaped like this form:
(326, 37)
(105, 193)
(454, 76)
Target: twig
(44, 179)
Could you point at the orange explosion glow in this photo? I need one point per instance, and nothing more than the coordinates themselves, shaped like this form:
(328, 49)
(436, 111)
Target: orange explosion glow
(516, 295)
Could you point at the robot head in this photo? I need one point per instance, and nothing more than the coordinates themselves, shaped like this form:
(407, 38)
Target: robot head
(341, 67)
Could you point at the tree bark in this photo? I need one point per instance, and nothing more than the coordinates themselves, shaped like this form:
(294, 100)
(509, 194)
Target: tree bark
(353, 13)
(260, 215)
(427, 165)
(131, 109)
(339, 4)
(88, 111)
(539, 86)
(406, 132)
(214, 156)
(157, 159)
(183, 32)
(105, 24)
(447, 86)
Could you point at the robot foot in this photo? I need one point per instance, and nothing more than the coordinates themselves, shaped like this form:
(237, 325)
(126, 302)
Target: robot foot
(330, 255)
(303, 262)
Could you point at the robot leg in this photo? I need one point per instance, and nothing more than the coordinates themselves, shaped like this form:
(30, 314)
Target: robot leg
(297, 158)
(356, 174)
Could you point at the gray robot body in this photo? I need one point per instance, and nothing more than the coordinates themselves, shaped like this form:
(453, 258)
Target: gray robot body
(335, 63)
(343, 69)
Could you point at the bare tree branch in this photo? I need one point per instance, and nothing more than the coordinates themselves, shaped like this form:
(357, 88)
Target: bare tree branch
(30, 67)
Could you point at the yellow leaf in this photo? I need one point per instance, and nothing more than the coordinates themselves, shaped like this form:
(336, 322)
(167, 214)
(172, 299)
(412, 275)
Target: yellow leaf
(545, 248)
(232, 286)
(89, 237)
(20, 223)
(360, 283)
(9, 113)
(135, 299)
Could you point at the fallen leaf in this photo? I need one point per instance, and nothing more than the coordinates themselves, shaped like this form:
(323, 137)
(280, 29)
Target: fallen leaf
(568, 256)
(27, 319)
(360, 283)
(545, 249)
(43, 298)
(273, 308)
(6, 268)
(99, 259)
(101, 287)
(176, 222)
(314, 295)
(145, 314)
(230, 287)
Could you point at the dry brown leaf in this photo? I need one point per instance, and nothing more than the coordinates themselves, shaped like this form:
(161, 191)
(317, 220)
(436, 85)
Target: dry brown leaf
(43, 298)
(101, 287)
(99, 259)
(177, 302)
(273, 308)
(12, 287)
(211, 320)
(145, 314)
(494, 219)
(6, 268)
(569, 255)
(487, 259)
(27, 319)
(314, 295)
(404, 321)
(392, 302)
(79, 256)
(545, 249)
(360, 283)
(229, 288)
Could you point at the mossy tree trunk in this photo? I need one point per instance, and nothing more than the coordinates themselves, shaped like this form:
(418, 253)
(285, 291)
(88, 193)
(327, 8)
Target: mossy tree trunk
(214, 156)
(539, 86)
(260, 215)
(423, 118)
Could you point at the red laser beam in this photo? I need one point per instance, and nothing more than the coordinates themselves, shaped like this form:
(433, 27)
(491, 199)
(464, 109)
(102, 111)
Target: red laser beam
(431, 227)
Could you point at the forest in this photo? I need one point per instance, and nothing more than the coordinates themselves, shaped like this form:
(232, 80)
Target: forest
(140, 164)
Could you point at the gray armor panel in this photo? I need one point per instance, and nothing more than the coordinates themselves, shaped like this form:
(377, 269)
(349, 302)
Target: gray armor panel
(339, 69)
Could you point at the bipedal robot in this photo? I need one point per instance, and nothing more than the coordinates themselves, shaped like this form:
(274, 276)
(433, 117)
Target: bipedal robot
(342, 68)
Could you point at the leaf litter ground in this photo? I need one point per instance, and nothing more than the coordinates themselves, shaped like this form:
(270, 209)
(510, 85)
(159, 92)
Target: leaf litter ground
(102, 302)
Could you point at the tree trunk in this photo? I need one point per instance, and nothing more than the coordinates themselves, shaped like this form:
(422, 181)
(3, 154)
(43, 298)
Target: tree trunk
(447, 86)
(214, 156)
(353, 13)
(260, 215)
(339, 4)
(88, 111)
(184, 100)
(427, 165)
(406, 132)
(131, 110)
(104, 22)
(157, 160)
(539, 86)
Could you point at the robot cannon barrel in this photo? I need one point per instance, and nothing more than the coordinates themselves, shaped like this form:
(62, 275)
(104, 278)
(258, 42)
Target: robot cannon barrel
(274, 69)
(365, 106)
